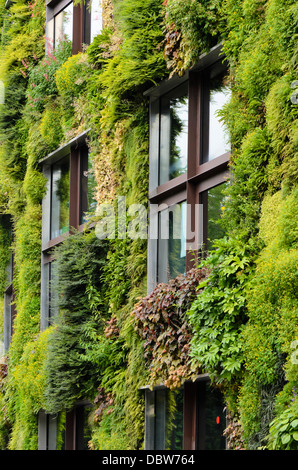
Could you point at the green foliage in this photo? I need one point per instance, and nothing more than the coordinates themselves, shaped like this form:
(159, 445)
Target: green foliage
(192, 28)
(272, 326)
(219, 312)
(161, 322)
(26, 383)
(42, 85)
(27, 248)
(138, 63)
(284, 430)
(70, 372)
(243, 320)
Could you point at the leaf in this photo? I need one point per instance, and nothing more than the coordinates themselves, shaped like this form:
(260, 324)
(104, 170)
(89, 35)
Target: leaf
(286, 438)
(294, 423)
(295, 435)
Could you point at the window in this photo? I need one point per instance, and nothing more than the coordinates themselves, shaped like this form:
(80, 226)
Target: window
(47, 431)
(60, 197)
(60, 24)
(174, 134)
(171, 241)
(191, 418)
(9, 292)
(76, 23)
(69, 198)
(163, 419)
(77, 432)
(189, 155)
(77, 427)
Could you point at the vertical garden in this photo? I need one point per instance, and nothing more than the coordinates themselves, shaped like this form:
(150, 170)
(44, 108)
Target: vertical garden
(235, 316)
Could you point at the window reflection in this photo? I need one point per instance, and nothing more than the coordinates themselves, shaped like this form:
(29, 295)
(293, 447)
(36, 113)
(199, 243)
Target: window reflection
(88, 185)
(63, 25)
(213, 202)
(96, 19)
(174, 134)
(60, 28)
(218, 141)
(60, 198)
(172, 242)
(164, 419)
(53, 291)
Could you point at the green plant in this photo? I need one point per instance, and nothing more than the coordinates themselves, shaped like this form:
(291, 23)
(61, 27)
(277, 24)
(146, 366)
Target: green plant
(160, 320)
(219, 312)
(284, 430)
(42, 85)
(69, 368)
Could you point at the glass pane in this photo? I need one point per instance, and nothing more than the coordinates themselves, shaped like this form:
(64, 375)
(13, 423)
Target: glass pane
(63, 25)
(83, 430)
(216, 207)
(175, 437)
(215, 423)
(96, 18)
(53, 291)
(160, 419)
(88, 185)
(218, 136)
(60, 198)
(50, 36)
(174, 134)
(172, 242)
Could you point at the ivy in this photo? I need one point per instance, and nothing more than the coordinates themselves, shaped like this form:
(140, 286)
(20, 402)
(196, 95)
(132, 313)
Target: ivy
(161, 322)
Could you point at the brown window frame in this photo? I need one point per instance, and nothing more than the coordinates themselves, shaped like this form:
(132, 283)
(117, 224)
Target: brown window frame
(81, 21)
(200, 175)
(194, 414)
(76, 148)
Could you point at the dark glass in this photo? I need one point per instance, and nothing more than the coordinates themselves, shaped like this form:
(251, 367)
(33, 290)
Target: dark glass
(53, 291)
(173, 134)
(88, 185)
(176, 430)
(172, 242)
(83, 430)
(215, 420)
(160, 419)
(60, 198)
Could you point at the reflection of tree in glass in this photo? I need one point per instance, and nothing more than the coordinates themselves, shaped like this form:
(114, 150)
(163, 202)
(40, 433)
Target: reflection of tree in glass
(175, 423)
(219, 141)
(178, 136)
(62, 193)
(216, 200)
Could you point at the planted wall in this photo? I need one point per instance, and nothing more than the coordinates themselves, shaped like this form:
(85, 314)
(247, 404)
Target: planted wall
(240, 325)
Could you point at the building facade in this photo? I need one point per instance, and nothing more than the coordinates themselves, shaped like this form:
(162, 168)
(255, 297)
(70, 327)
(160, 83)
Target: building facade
(155, 331)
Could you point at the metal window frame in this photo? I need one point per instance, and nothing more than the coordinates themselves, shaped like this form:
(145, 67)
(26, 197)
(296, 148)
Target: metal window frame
(72, 148)
(200, 175)
(81, 21)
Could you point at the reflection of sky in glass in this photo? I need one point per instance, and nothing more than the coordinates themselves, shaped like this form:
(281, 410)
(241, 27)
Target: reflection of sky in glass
(96, 18)
(172, 242)
(179, 165)
(218, 136)
(63, 25)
